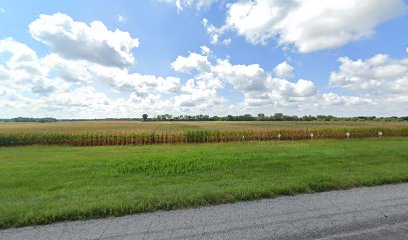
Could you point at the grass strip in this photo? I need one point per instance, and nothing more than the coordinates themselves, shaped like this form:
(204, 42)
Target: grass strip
(45, 184)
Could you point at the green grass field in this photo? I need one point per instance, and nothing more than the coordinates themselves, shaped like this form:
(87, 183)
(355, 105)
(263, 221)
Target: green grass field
(44, 184)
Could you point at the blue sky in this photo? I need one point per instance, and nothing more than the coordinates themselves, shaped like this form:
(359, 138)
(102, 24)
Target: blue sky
(335, 58)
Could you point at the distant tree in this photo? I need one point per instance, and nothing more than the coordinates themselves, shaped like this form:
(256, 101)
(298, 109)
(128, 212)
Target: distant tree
(39, 120)
(215, 118)
(144, 116)
(201, 117)
(261, 117)
(277, 117)
(230, 118)
(247, 117)
(167, 117)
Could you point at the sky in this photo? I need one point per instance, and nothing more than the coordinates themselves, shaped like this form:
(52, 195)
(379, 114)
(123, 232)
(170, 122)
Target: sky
(100, 59)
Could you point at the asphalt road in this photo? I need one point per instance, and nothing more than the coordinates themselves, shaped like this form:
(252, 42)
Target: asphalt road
(363, 213)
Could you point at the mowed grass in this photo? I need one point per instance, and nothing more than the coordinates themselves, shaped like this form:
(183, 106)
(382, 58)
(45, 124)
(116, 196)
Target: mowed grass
(44, 184)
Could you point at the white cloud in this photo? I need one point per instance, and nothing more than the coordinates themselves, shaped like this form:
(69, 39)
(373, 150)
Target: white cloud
(380, 81)
(122, 19)
(79, 41)
(205, 50)
(264, 92)
(198, 4)
(136, 82)
(258, 86)
(242, 77)
(20, 53)
(2, 10)
(69, 70)
(169, 85)
(283, 70)
(194, 61)
(215, 33)
(23, 70)
(309, 25)
(302, 88)
(377, 76)
(9, 98)
(330, 99)
(226, 41)
(66, 86)
(198, 95)
(86, 96)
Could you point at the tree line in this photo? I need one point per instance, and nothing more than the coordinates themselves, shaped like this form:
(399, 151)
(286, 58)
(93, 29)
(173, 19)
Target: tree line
(27, 119)
(275, 117)
(201, 117)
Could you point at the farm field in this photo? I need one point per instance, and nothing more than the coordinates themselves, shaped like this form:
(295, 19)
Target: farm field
(44, 184)
(97, 133)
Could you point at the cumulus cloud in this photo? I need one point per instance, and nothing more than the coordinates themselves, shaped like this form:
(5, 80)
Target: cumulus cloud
(265, 91)
(193, 61)
(309, 25)
(76, 85)
(53, 89)
(59, 83)
(2, 10)
(198, 4)
(136, 82)
(283, 70)
(86, 96)
(302, 88)
(197, 95)
(259, 87)
(377, 76)
(242, 77)
(23, 70)
(380, 81)
(79, 41)
(69, 70)
(331, 99)
(19, 52)
(9, 98)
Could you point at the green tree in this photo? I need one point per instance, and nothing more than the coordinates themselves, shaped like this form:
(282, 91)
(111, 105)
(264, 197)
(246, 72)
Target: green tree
(261, 117)
(144, 116)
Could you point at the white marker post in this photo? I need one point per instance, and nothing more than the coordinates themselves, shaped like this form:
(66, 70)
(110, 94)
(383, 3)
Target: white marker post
(311, 136)
(380, 134)
(279, 136)
(348, 135)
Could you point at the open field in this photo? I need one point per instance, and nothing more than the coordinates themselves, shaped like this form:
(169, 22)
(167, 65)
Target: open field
(135, 126)
(43, 184)
(96, 133)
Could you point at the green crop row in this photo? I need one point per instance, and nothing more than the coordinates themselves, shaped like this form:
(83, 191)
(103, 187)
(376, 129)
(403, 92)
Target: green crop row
(190, 136)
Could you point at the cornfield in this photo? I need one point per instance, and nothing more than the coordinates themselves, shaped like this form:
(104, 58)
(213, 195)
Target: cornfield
(104, 134)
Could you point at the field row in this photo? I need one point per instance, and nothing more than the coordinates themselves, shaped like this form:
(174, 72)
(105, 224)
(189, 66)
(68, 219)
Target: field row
(193, 136)
(114, 127)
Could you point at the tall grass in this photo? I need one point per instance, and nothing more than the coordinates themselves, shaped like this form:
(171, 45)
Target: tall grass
(179, 136)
